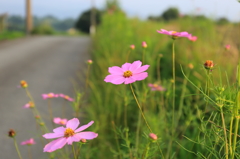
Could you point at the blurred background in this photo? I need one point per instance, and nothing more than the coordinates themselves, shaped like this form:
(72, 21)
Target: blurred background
(72, 16)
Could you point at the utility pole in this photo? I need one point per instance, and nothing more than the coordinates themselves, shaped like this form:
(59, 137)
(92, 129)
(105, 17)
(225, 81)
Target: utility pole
(28, 17)
(92, 28)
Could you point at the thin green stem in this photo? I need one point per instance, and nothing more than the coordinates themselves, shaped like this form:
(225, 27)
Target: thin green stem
(138, 129)
(88, 69)
(174, 86)
(225, 133)
(143, 56)
(207, 89)
(50, 112)
(158, 69)
(129, 51)
(235, 137)
(145, 152)
(29, 152)
(16, 146)
(35, 109)
(74, 153)
(230, 135)
(140, 108)
(144, 117)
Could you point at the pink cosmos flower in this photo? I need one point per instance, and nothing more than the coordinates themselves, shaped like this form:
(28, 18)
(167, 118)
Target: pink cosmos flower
(28, 142)
(60, 121)
(128, 73)
(68, 135)
(156, 87)
(66, 97)
(227, 47)
(174, 34)
(49, 95)
(144, 44)
(192, 38)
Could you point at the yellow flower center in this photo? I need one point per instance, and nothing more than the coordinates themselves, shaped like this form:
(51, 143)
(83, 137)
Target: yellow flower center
(174, 32)
(68, 132)
(50, 95)
(127, 74)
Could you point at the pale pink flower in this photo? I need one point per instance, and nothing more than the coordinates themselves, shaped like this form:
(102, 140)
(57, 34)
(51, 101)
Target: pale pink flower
(192, 38)
(68, 135)
(156, 87)
(128, 73)
(144, 44)
(174, 34)
(60, 121)
(66, 97)
(28, 142)
(49, 95)
(227, 47)
(132, 47)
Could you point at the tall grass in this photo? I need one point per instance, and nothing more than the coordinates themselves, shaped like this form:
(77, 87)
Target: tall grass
(197, 131)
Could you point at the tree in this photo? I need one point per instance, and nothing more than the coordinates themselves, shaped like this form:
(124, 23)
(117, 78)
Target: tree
(83, 23)
(170, 14)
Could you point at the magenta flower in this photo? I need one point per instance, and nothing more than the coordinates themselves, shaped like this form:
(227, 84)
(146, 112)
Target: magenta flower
(156, 87)
(192, 38)
(60, 121)
(227, 47)
(174, 34)
(68, 135)
(49, 95)
(28, 142)
(128, 73)
(66, 97)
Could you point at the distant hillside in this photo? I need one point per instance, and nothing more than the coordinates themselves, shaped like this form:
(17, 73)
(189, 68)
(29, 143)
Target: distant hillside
(17, 23)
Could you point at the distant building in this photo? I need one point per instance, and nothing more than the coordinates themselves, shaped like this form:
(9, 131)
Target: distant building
(3, 22)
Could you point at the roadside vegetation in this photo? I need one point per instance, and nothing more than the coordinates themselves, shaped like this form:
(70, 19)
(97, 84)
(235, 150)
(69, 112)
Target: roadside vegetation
(153, 93)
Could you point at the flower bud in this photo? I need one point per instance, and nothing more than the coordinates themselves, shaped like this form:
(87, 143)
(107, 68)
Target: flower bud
(144, 44)
(227, 47)
(209, 65)
(153, 136)
(89, 62)
(190, 66)
(83, 140)
(23, 84)
(11, 133)
(132, 47)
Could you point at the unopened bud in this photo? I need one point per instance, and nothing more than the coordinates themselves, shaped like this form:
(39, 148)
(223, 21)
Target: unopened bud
(83, 140)
(153, 136)
(132, 47)
(11, 133)
(89, 62)
(23, 84)
(190, 66)
(208, 64)
(144, 44)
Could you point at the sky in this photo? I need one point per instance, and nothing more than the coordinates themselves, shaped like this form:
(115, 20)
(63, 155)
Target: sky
(140, 8)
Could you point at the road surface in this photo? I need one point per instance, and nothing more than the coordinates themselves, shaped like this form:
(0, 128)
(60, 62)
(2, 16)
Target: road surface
(48, 64)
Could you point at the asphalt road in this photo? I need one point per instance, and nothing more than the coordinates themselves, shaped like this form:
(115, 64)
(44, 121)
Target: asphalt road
(48, 64)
